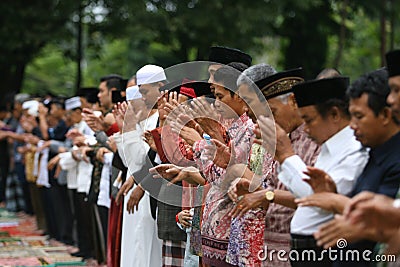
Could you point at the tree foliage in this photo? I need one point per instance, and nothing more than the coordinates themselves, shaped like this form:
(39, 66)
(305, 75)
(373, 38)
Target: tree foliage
(119, 36)
(26, 27)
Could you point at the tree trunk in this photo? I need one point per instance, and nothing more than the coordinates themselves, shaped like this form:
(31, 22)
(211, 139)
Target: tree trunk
(79, 51)
(342, 34)
(383, 32)
(13, 78)
(392, 22)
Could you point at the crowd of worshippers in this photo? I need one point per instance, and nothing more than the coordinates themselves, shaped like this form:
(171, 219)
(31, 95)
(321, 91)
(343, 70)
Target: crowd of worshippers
(252, 167)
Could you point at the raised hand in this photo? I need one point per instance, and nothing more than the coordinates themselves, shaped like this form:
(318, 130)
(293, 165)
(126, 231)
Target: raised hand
(207, 117)
(372, 210)
(119, 111)
(190, 135)
(319, 180)
(166, 171)
(238, 188)
(325, 200)
(247, 202)
(149, 139)
(130, 118)
(96, 123)
(221, 154)
(274, 139)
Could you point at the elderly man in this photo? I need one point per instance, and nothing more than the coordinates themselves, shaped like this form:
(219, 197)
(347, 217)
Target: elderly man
(277, 89)
(323, 107)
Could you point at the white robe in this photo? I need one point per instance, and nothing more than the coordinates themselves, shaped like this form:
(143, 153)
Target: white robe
(140, 245)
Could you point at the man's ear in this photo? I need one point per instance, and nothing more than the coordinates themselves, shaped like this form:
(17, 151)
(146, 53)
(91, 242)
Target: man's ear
(387, 115)
(335, 113)
(292, 101)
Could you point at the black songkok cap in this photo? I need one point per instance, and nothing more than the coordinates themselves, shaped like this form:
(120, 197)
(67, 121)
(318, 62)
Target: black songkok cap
(90, 93)
(318, 91)
(280, 83)
(187, 87)
(226, 55)
(393, 62)
(201, 88)
(124, 84)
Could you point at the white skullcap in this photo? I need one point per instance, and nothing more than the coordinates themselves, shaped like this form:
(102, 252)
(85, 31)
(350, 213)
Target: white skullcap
(133, 93)
(150, 74)
(22, 97)
(72, 103)
(32, 106)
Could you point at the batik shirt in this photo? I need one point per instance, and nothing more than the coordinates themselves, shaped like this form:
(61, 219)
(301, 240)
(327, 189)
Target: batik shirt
(216, 221)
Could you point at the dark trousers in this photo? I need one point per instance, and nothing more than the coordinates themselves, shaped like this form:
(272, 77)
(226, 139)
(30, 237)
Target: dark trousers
(65, 218)
(83, 215)
(4, 169)
(50, 211)
(306, 253)
(20, 171)
(103, 214)
(38, 208)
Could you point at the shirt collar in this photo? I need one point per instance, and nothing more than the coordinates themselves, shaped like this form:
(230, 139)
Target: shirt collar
(337, 142)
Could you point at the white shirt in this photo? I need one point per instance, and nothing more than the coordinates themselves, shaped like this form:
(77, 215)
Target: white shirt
(140, 245)
(104, 193)
(343, 158)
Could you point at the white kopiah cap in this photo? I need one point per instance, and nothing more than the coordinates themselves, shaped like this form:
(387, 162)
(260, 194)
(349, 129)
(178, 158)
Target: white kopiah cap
(150, 74)
(32, 106)
(72, 103)
(133, 93)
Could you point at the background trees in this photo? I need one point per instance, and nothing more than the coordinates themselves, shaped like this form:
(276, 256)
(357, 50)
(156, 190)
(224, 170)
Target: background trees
(57, 46)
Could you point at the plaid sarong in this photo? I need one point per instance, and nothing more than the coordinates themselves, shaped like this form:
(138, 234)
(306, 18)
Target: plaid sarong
(173, 253)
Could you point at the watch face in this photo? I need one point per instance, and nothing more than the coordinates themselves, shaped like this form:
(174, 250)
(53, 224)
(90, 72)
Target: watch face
(270, 195)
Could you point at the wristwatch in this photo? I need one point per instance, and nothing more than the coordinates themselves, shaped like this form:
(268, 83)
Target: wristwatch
(270, 196)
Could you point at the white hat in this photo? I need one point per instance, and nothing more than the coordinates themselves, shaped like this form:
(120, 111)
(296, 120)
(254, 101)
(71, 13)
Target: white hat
(72, 103)
(22, 97)
(32, 106)
(133, 93)
(150, 74)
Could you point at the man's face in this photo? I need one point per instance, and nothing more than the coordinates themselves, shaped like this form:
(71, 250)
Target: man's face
(17, 111)
(367, 127)
(211, 70)
(150, 94)
(283, 113)
(254, 106)
(104, 95)
(139, 105)
(56, 111)
(3, 115)
(393, 98)
(318, 129)
(74, 115)
(224, 102)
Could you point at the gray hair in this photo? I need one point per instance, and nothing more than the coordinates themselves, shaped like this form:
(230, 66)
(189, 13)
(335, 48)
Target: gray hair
(255, 73)
(284, 98)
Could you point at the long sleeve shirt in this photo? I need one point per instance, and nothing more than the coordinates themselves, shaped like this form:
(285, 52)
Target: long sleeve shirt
(343, 158)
